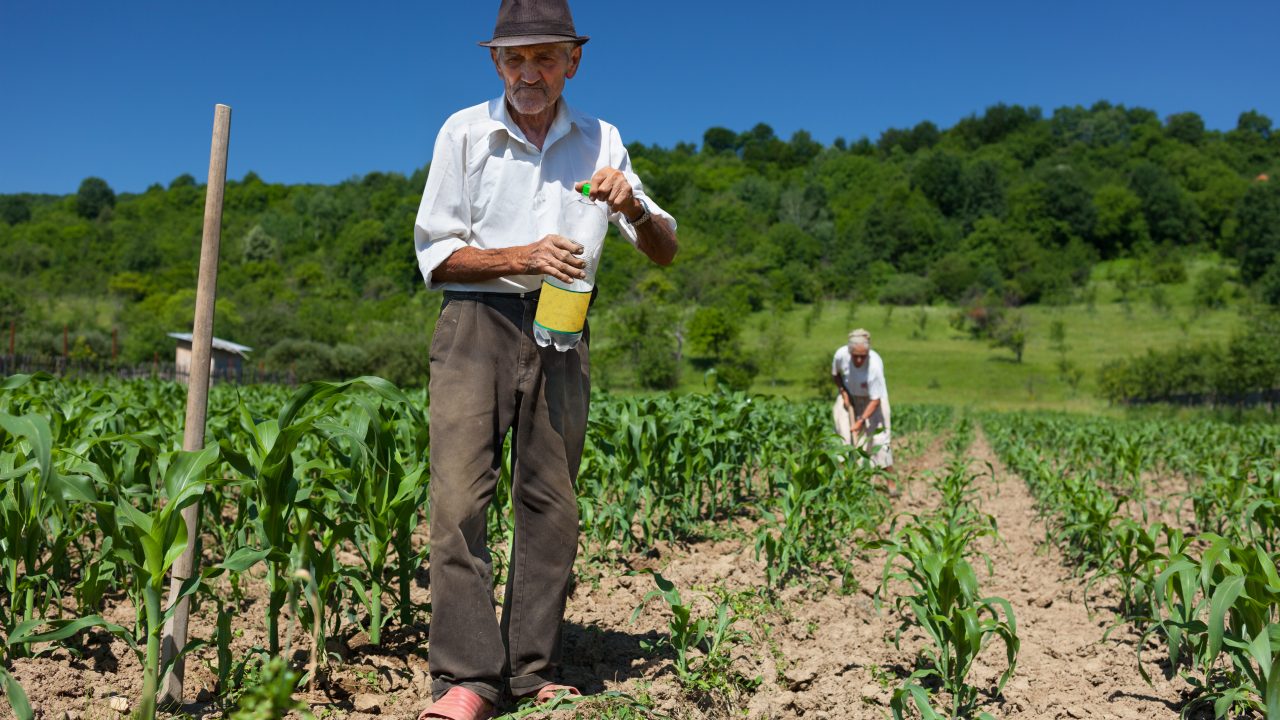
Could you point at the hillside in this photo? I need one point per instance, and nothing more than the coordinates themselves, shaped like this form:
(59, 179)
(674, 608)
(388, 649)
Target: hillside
(1011, 208)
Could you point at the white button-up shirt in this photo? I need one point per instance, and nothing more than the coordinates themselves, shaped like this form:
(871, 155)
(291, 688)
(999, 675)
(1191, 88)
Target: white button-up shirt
(489, 187)
(866, 381)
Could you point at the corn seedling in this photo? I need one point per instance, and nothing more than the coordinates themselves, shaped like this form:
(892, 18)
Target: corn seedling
(1217, 616)
(385, 497)
(703, 646)
(271, 698)
(36, 521)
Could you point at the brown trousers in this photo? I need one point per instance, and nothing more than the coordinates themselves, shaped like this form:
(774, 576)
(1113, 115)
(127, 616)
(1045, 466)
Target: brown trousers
(488, 376)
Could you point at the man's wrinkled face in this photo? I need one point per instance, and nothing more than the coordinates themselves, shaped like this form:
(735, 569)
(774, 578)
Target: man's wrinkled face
(859, 354)
(534, 75)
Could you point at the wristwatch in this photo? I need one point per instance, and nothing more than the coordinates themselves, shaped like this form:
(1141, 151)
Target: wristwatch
(644, 216)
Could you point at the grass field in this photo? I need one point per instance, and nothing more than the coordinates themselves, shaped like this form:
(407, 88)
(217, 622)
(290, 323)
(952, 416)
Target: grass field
(929, 361)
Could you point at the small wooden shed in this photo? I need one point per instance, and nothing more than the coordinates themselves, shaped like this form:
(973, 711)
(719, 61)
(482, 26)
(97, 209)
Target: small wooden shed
(227, 362)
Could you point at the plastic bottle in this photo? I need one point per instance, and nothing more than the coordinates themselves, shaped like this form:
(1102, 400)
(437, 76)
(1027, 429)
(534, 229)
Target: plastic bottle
(562, 307)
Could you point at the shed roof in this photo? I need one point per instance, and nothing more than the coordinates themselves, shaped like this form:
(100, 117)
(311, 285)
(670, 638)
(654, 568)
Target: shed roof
(218, 344)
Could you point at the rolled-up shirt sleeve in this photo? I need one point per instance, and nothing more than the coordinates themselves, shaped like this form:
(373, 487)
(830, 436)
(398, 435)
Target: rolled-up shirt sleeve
(444, 217)
(622, 161)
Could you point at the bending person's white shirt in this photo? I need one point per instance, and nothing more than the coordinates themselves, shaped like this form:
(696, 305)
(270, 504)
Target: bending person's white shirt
(864, 384)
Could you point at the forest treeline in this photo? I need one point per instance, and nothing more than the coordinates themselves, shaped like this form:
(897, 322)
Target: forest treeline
(1243, 371)
(1007, 207)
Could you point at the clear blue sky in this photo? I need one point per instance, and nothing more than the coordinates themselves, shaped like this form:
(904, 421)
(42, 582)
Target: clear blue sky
(323, 91)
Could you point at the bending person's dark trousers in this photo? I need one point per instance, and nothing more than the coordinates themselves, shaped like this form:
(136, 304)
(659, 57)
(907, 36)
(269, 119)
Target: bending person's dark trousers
(488, 376)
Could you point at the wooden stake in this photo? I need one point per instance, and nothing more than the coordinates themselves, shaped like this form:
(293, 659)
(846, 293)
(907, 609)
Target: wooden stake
(114, 338)
(175, 631)
(13, 336)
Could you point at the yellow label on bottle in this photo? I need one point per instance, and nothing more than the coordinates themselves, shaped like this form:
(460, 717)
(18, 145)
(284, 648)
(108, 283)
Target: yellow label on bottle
(561, 310)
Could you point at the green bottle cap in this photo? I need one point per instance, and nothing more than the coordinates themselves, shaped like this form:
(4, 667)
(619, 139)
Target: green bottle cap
(586, 190)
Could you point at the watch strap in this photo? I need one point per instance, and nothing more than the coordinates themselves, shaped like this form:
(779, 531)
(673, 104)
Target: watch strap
(645, 216)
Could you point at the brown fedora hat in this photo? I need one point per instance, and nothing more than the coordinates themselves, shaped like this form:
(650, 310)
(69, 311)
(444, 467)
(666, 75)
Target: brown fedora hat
(533, 22)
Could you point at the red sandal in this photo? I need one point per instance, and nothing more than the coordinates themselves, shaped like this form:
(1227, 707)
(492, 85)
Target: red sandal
(459, 703)
(551, 691)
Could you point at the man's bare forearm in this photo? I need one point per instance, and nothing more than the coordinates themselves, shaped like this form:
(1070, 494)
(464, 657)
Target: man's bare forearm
(553, 255)
(656, 240)
(871, 409)
(844, 391)
(470, 264)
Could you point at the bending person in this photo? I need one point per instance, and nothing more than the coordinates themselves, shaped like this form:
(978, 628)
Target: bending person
(861, 411)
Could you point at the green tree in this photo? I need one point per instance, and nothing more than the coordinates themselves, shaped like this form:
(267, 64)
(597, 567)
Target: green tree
(94, 196)
(1171, 217)
(1210, 292)
(982, 190)
(712, 332)
(258, 246)
(1120, 226)
(719, 140)
(1254, 123)
(995, 124)
(14, 209)
(1258, 233)
(802, 149)
(1187, 127)
(1067, 203)
(903, 227)
(938, 177)
(1011, 333)
(955, 274)
(12, 309)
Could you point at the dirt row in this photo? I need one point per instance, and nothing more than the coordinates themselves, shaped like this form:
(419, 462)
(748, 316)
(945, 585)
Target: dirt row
(818, 654)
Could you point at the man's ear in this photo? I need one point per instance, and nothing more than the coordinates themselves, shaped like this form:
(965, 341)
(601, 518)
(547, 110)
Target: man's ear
(575, 57)
(493, 55)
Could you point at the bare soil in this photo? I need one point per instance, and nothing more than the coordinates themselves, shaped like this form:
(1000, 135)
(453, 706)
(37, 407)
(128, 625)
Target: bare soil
(818, 652)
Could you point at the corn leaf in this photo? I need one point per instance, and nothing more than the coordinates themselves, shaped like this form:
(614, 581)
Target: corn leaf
(16, 695)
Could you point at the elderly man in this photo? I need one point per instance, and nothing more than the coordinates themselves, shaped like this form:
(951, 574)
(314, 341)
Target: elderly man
(861, 412)
(486, 234)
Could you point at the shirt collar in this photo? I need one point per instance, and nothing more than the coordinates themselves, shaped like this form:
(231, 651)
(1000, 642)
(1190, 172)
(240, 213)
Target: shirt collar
(566, 119)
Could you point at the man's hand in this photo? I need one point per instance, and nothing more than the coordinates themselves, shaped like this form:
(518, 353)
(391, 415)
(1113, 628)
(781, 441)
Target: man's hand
(610, 186)
(657, 240)
(557, 256)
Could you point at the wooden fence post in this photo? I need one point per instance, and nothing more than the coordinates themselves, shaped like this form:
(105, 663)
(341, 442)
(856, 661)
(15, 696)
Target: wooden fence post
(175, 631)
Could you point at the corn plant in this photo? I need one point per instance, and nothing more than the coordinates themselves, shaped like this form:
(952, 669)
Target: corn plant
(961, 437)
(385, 495)
(703, 646)
(1217, 616)
(957, 486)
(275, 491)
(271, 697)
(16, 696)
(319, 531)
(37, 522)
(821, 501)
(148, 543)
(944, 602)
(279, 490)
(1136, 556)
